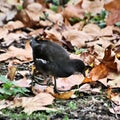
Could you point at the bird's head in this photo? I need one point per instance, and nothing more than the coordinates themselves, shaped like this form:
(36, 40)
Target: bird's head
(33, 43)
(79, 66)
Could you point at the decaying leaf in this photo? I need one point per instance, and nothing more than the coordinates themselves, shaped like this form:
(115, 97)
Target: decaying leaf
(98, 72)
(74, 11)
(93, 6)
(31, 104)
(19, 53)
(11, 72)
(5, 104)
(107, 64)
(23, 82)
(115, 110)
(114, 8)
(109, 59)
(116, 107)
(67, 83)
(64, 96)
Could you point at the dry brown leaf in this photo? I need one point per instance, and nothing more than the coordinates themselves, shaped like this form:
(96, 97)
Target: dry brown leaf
(107, 31)
(116, 110)
(63, 96)
(87, 88)
(74, 11)
(117, 61)
(67, 83)
(56, 18)
(23, 82)
(36, 32)
(77, 38)
(92, 29)
(53, 34)
(14, 25)
(3, 32)
(29, 18)
(11, 71)
(36, 89)
(112, 5)
(34, 10)
(7, 12)
(115, 82)
(109, 59)
(31, 104)
(11, 37)
(14, 2)
(104, 81)
(5, 104)
(113, 18)
(89, 56)
(98, 72)
(87, 80)
(78, 26)
(37, 103)
(114, 8)
(22, 54)
(116, 99)
(93, 7)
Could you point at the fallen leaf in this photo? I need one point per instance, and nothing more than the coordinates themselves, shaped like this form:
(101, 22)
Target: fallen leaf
(98, 72)
(109, 59)
(5, 104)
(116, 99)
(12, 25)
(87, 80)
(67, 83)
(23, 82)
(36, 89)
(93, 7)
(77, 38)
(115, 82)
(53, 34)
(92, 29)
(21, 54)
(115, 110)
(11, 72)
(74, 11)
(31, 104)
(117, 61)
(113, 7)
(64, 96)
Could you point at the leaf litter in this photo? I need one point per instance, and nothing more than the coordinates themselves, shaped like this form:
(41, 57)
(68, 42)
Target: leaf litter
(101, 50)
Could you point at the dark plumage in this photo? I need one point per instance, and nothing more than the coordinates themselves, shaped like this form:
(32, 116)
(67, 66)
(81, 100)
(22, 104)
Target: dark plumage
(52, 59)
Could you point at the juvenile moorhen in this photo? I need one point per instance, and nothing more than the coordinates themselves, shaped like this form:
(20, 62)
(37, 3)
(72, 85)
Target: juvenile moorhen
(52, 59)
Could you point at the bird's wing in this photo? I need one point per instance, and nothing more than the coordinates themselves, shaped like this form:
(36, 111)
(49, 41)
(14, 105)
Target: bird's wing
(53, 52)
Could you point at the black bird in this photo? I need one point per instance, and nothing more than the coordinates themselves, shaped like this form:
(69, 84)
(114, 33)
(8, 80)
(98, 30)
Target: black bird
(52, 59)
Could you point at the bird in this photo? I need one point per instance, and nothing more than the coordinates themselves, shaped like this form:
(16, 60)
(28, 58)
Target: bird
(52, 59)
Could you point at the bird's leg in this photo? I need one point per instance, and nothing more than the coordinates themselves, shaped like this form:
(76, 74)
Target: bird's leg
(33, 74)
(55, 85)
(84, 74)
(50, 80)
